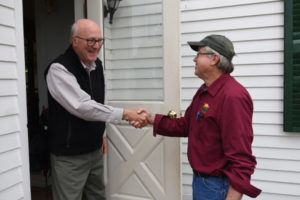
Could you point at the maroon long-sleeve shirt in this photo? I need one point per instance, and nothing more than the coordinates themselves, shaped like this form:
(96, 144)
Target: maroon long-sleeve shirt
(218, 124)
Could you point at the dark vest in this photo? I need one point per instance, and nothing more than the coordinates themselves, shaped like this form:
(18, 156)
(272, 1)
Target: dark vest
(68, 134)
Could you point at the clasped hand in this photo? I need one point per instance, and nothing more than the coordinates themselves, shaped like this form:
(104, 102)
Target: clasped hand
(138, 117)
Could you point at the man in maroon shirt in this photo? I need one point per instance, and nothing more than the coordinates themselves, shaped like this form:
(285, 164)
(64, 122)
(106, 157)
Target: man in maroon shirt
(218, 124)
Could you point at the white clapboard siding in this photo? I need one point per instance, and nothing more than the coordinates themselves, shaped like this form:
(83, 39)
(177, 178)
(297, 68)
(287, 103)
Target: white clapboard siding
(11, 178)
(14, 167)
(134, 52)
(8, 70)
(256, 28)
(9, 124)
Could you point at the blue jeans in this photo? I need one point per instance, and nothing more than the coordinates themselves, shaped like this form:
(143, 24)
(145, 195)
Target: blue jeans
(210, 188)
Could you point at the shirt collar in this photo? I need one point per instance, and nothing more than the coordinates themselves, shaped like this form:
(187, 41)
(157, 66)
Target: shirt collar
(90, 67)
(217, 85)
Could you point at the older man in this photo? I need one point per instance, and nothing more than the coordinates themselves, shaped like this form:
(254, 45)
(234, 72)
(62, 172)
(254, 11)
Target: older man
(77, 116)
(218, 124)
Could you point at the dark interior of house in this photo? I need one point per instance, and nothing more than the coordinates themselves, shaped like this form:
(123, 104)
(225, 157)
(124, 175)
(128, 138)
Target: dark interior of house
(39, 163)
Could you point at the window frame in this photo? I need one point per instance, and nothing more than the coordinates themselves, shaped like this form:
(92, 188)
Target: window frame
(291, 110)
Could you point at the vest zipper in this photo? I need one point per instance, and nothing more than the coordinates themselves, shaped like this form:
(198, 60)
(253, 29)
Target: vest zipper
(69, 134)
(89, 73)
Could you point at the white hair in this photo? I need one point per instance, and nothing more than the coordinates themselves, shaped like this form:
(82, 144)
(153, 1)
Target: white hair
(74, 29)
(224, 64)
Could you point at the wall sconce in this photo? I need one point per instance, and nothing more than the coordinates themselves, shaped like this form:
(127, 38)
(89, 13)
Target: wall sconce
(110, 6)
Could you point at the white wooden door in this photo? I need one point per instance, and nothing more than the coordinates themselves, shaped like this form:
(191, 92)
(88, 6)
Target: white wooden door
(142, 62)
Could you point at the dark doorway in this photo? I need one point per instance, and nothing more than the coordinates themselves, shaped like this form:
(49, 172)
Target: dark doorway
(39, 165)
(46, 35)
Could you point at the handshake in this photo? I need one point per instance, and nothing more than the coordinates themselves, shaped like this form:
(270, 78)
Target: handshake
(138, 117)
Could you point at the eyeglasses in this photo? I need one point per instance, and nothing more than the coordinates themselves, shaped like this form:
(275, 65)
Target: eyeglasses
(199, 54)
(91, 42)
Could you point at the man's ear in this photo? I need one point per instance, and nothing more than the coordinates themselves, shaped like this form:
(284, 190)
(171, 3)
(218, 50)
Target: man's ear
(74, 40)
(215, 59)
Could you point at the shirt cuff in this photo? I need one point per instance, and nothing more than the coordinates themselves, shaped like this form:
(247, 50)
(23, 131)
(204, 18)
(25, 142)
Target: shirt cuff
(116, 116)
(242, 185)
(157, 119)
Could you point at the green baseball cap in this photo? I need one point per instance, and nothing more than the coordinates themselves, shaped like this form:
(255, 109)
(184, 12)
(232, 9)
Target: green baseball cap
(219, 43)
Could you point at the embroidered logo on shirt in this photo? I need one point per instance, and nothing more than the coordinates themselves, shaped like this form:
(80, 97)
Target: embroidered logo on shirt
(203, 111)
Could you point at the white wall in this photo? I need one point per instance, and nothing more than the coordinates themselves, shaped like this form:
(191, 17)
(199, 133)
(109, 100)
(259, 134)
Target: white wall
(256, 29)
(14, 167)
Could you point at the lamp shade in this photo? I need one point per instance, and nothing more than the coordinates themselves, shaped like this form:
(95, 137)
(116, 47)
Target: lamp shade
(112, 6)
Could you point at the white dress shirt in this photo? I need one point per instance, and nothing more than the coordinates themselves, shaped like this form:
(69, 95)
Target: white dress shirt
(65, 89)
